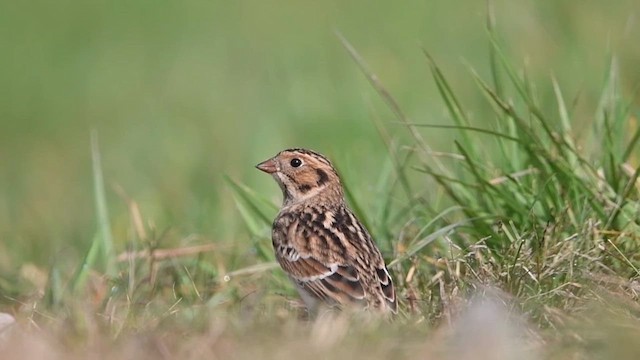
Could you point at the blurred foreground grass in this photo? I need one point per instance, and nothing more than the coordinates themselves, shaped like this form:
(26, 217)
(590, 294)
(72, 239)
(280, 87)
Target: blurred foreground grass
(533, 191)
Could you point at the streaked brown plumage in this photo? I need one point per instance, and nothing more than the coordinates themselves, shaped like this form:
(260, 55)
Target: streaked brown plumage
(318, 240)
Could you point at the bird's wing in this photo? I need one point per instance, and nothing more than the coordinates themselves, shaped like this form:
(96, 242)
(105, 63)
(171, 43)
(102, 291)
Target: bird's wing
(388, 291)
(348, 224)
(318, 262)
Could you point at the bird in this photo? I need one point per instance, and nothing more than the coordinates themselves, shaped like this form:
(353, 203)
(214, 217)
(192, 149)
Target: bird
(320, 243)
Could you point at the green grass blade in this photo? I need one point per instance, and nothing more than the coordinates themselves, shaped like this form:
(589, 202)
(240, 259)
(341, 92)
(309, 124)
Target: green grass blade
(451, 101)
(89, 261)
(258, 207)
(104, 225)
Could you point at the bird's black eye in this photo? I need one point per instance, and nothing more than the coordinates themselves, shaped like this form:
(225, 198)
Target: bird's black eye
(296, 162)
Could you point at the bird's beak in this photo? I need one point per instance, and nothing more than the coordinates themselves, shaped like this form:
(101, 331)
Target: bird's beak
(268, 166)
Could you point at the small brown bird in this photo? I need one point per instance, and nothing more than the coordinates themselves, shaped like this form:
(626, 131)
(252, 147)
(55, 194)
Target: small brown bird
(318, 240)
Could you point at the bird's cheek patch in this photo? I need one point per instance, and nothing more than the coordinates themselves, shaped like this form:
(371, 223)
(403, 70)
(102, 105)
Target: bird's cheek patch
(322, 177)
(304, 188)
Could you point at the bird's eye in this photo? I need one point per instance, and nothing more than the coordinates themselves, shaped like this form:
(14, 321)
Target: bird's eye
(296, 162)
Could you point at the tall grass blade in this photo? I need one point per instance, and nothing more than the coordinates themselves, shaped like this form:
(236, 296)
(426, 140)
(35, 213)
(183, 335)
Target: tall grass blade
(391, 102)
(104, 226)
(493, 62)
(451, 101)
(89, 261)
(566, 123)
(259, 207)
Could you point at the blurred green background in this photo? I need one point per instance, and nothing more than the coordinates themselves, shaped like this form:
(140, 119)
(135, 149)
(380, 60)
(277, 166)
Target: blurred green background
(184, 92)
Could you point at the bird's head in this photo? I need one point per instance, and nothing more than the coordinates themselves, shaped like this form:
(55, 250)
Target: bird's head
(303, 174)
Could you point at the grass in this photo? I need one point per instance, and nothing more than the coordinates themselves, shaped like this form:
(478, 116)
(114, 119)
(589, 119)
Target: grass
(519, 240)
